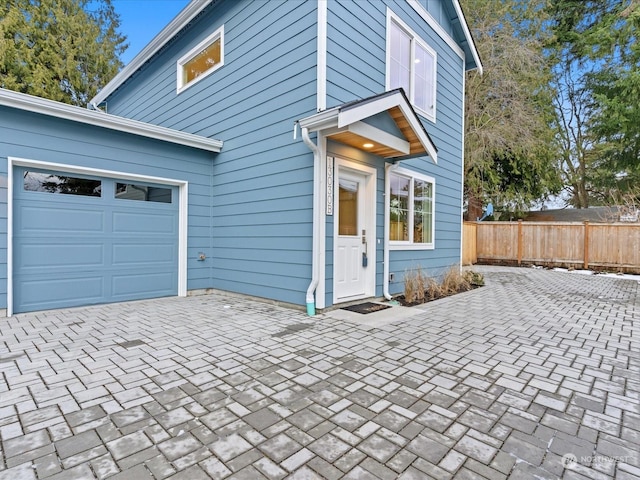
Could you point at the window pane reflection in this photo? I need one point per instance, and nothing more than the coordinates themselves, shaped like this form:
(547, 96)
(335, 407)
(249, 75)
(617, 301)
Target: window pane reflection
(201, 63)
(399, 206)
(348, 208)
(52, 183)
(423, 211)
(143, 193)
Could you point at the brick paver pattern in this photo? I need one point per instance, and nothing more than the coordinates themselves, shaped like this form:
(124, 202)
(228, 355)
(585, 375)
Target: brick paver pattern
(535, 375)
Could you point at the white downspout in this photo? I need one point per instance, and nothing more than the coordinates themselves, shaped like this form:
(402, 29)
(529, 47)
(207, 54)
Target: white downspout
(310, 299)
(387, 213)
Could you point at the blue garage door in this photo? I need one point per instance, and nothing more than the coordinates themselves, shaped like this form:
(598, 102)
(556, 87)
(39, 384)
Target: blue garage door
(81, 240)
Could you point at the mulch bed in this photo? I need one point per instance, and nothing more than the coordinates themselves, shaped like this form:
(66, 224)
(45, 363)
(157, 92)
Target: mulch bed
(401, 299)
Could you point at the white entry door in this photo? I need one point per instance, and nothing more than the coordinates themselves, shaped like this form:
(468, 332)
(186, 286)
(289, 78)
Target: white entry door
(354, 265)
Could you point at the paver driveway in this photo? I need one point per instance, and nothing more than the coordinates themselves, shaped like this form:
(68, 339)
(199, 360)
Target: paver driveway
(536, 375)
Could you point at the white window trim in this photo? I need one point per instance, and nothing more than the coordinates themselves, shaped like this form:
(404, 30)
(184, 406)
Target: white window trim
(392, 17)
(183, 214)
(218, 34)
(409, 245)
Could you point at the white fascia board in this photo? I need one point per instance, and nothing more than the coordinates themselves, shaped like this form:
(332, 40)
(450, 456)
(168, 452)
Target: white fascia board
(418, 128)
(167, 33)
(43, 106)
(368, 109)
(433, 23)
(468, 36)
(383, 138)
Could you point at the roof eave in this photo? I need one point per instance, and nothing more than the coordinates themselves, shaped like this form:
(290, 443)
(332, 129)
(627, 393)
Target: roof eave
(468, 37)
(167, 33)
(351, 112)
(51, 108)
(320, 121)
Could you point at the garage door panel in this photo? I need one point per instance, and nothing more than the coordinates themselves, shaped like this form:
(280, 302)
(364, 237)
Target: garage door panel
(143, 223)
(72, 250)
(144, 253)
(40, 218)
(51, 291)
(60, 255)
(141, 285)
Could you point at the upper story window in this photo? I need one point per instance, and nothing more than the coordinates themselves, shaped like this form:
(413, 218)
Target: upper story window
(411, 64)
(202, 60)
(411, 210)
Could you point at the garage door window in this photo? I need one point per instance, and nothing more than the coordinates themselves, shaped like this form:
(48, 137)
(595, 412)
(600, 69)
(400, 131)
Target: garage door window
(143, 193)
(52, 183)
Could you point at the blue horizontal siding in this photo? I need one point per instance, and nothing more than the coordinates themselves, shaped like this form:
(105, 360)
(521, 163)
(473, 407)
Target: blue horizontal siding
(261, 184)
(38, 137)
(437, 10)
(262, 181)
(357, 47)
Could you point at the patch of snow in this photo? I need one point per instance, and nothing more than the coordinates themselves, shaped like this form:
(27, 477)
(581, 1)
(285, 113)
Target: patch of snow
(626, 276)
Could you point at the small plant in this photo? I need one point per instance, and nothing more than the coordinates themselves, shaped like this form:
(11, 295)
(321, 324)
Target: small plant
(415, 283)
(434, 290)
(421, 284)
(474, 278)
(409, 286)
(453, 281)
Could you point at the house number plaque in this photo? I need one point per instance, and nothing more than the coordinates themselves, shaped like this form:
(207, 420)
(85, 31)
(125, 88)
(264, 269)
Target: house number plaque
(329, 185)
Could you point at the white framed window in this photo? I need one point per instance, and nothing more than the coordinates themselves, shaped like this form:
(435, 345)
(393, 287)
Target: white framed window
(411, 204)
(201, 61)
(411, 64)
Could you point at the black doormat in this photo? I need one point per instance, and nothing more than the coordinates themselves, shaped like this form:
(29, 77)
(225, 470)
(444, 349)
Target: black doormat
(367, 307)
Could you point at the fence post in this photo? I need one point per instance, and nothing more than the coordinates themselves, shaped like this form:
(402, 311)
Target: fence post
(586, 246)
(520, 235)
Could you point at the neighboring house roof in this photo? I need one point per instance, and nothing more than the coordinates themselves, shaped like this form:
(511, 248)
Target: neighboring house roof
(593, 214)
(43, 106)
(196, 7)
(344, 123)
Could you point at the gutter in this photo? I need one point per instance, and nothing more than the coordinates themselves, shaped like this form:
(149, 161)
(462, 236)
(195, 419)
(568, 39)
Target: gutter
(387, 217)
(310, 298)
(30, 103)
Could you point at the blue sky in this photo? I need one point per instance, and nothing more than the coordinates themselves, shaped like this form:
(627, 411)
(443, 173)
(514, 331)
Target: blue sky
(141, 20)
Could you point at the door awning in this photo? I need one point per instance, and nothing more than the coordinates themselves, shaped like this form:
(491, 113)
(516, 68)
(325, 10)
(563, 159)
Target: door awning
(351, 124)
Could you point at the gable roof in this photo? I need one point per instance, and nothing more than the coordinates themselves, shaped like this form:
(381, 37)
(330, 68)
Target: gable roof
(344, 123)
(463, 41)
(196, 7)
(51, 108)
(468, 44)
(175, 26)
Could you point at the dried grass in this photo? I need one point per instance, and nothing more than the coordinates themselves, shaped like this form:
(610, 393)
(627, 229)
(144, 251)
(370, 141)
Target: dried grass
(453, 281)
(414, 285)
(418, 287)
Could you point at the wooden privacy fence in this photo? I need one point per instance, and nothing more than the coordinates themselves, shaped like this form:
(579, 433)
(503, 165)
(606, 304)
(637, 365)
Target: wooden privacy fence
(563, 244)
(469, 248)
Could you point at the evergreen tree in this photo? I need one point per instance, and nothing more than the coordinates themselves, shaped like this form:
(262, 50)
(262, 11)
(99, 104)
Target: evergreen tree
(64, 50)
(598, 39)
